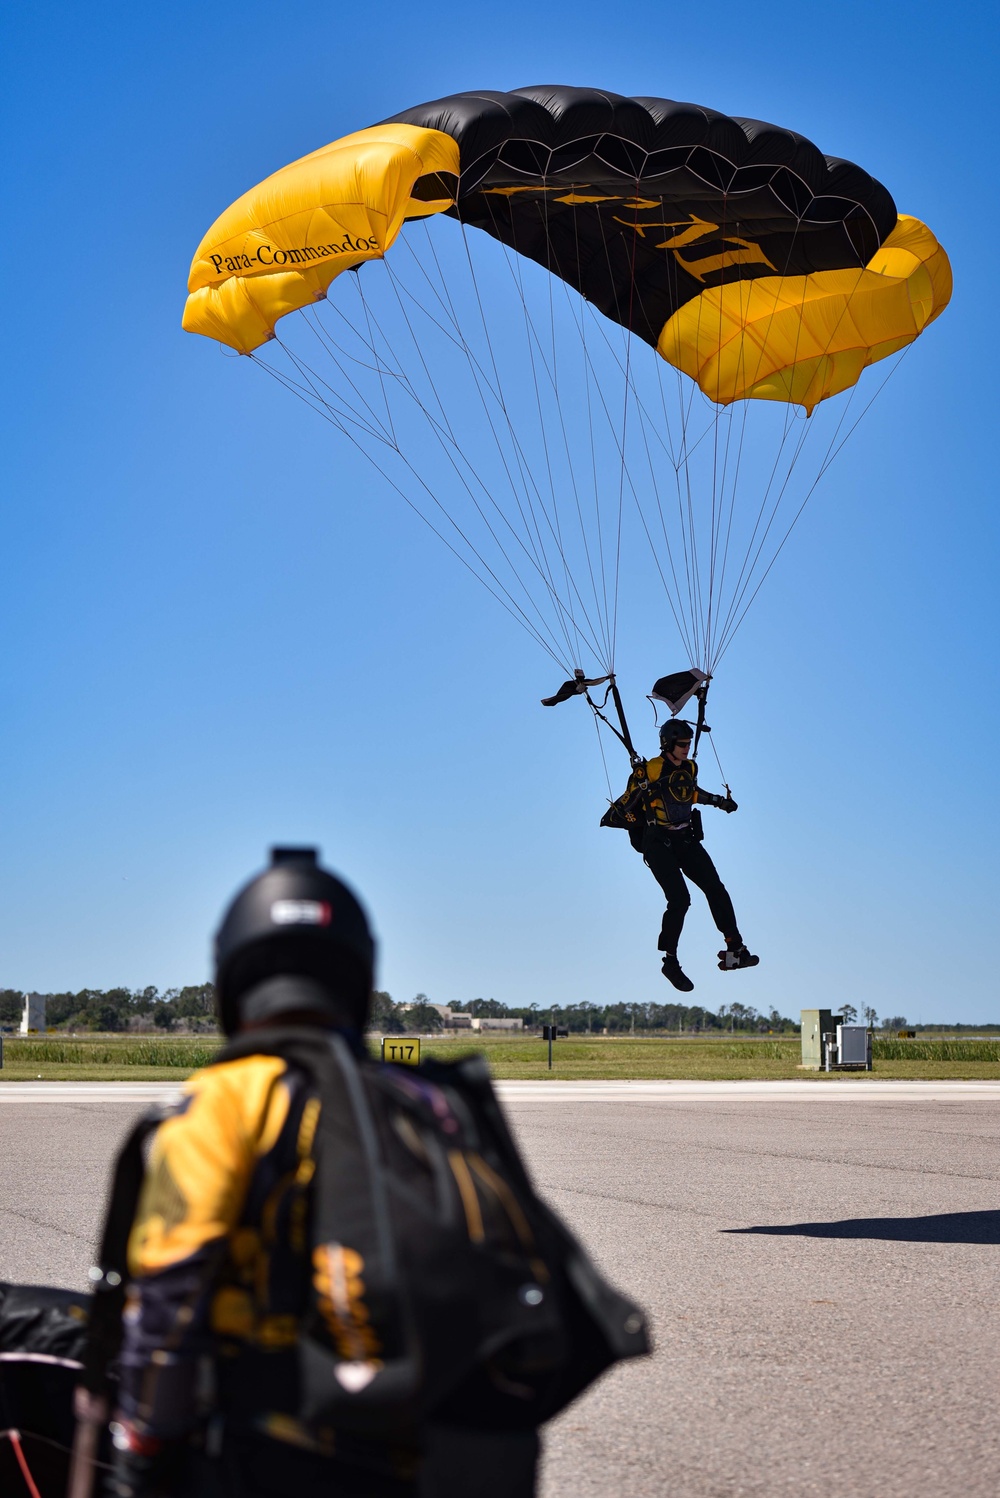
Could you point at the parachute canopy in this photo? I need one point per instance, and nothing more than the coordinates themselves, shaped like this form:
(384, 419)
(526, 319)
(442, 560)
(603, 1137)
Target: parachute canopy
(756, 265)
(585, 332)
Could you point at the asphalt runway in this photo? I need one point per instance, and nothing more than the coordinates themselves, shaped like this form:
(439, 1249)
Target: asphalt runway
(818, 1259)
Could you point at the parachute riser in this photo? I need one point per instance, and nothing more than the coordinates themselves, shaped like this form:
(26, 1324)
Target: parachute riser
(622, 733)
(700, 725)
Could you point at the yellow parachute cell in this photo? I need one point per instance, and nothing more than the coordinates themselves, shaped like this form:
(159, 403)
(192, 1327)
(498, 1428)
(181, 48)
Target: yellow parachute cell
(804, 338)
(278, 247)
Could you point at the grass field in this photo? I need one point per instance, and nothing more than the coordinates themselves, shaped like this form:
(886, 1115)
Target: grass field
(152, 1058)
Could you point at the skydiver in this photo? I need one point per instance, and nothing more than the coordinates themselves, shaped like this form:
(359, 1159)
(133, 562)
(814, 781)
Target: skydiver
(219, 1357)
(660, 814)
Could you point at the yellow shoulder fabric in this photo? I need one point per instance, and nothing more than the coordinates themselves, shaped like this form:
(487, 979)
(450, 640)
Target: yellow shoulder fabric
(804, 338)
(278, 247)
(202, 1158)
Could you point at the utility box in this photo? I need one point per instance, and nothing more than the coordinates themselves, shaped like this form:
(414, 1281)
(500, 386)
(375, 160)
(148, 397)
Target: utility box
(815, 1024)
(854, 1048)
(33, 1017)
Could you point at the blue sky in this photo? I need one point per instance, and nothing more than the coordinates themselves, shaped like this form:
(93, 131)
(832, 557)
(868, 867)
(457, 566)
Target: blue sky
(218, 631)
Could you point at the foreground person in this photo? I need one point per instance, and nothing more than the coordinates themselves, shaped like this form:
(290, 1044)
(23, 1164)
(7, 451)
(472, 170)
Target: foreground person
(659, 810)
(338, 1280)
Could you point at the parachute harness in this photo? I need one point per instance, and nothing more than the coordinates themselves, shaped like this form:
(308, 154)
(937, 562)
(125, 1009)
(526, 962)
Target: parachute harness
(580, 686)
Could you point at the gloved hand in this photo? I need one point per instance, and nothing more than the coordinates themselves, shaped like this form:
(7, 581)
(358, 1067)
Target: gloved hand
(728, 804)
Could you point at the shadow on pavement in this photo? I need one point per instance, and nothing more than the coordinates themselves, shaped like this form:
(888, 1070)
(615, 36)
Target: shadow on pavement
(942, 1227)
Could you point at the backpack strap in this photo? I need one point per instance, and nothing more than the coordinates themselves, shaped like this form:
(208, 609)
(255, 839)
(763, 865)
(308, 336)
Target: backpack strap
(109, 1275)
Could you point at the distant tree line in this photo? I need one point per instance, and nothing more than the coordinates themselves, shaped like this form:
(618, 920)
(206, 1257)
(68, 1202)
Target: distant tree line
(193, 1009)
(115, 1009)
(581, 1019)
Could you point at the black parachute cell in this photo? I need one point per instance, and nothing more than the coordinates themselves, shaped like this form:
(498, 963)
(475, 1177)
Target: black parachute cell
(727, 199)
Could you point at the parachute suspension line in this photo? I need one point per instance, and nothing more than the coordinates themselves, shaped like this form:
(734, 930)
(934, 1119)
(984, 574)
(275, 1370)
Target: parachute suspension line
(337, 351)
(791, 415)
(628, 382)
(602, 613)
(533, 343)
(647, 425)
(418, 349)
(604, 757)
(536, 353)
(373, 427)
(715, 504)
(724, 508)
(734, 489)
(752, 557)
(562, 611)
(684, 462)
(552, 370)
(831, 453)
(620, 440)
(310, 388)
(588, 371)
(378, 361)
(746, 576)
(624, 364)
(480, 378)
(499, 592)
(407, 386)
(532, 527)
(706, 608)
(718, 761)
(533, 556)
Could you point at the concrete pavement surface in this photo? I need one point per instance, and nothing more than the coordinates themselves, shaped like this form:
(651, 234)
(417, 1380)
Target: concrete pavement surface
(818, 1259)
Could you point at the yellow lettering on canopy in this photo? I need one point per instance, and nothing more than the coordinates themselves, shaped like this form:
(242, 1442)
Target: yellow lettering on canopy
(508, 192)
(695, 230)
(573, 198)
(692, 229)
(746, 253)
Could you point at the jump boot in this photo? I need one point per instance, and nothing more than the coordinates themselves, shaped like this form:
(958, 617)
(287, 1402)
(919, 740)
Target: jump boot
(674, 973)
(735, 955)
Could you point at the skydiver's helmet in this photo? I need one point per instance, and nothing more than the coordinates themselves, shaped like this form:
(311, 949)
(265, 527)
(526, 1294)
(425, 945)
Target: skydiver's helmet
(675, 731)
(295, 938)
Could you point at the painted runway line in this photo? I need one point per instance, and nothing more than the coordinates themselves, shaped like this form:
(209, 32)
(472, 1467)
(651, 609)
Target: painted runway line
(816, 1090)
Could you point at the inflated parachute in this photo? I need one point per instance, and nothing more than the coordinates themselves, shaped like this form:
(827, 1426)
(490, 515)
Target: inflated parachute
(497, 378)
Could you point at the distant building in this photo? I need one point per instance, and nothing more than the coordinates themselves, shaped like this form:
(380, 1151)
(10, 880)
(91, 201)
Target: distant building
(453, 1020)
(450, 1019)
(33, 1018)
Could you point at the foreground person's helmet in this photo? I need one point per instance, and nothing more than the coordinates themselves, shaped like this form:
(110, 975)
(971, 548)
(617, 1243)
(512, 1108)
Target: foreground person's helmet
(294, 938)
(674, 731)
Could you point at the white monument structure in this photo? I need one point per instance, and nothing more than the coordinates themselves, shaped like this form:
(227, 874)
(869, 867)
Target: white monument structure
(33, 1018)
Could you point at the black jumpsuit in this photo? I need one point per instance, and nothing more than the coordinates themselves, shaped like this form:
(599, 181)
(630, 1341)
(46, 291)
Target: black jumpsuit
(671, 846)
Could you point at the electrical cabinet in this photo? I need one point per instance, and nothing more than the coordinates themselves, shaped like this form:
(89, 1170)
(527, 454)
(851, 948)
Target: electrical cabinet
(815, 1024)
